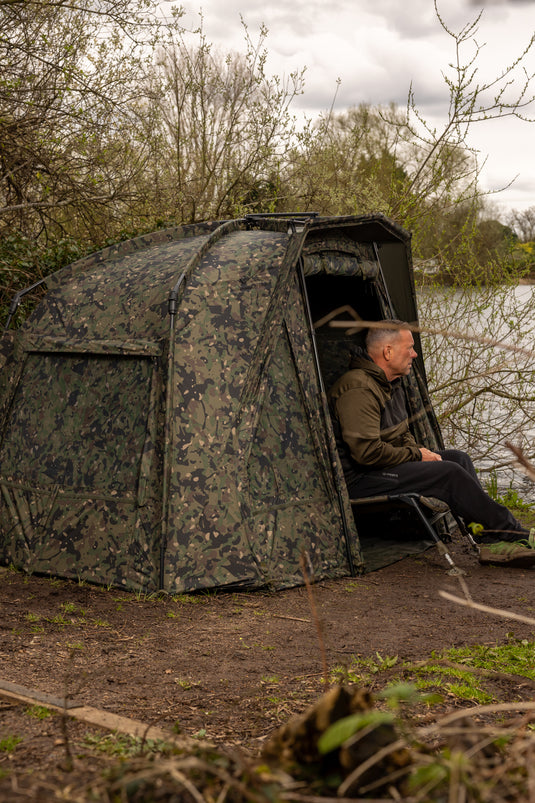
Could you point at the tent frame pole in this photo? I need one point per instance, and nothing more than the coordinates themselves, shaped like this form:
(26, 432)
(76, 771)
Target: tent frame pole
(319, 375)
(169, 406)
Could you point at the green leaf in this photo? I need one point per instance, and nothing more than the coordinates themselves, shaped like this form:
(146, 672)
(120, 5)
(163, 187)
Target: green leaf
(342, 730)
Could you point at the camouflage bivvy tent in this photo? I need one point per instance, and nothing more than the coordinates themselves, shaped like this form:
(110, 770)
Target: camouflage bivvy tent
(163, 417)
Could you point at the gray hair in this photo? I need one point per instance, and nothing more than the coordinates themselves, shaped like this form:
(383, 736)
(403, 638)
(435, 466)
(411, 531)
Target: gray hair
(378, 336)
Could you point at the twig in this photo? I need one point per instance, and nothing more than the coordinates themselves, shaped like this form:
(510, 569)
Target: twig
(359, 771)
(299, 798)
(293, 618)
(523, 462)
(468, 603)
(493, 708)
(431, 330)
(306, 577)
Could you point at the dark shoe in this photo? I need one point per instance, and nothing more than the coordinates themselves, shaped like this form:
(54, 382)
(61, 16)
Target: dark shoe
(520, 554)
(434, 504)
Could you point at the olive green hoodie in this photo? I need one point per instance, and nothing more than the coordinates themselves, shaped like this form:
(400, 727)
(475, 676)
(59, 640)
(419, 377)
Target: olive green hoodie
(370, 418)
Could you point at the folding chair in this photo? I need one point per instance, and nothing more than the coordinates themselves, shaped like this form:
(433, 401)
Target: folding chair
(427, 513)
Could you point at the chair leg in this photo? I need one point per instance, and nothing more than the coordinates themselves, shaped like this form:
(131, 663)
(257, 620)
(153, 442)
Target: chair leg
(413, 500)
(466, 532)
(441, 546)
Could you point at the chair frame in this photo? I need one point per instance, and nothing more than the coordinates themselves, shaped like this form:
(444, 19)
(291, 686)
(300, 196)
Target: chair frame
(416, 502)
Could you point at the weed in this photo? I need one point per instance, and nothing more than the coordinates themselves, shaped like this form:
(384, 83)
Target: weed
(120, 744)
(191, 599)
(491, 484)
(60, 620)
(38, 712)
(515, 657)
(72, 608)
(463, 671)
(509, 498)
(362, 669)
(357, 585)
(406, 693)
(34, 618)
(186, 683)
(145, 596)
(8, 743)
(55, 582)
(454, 680)
(469, 691)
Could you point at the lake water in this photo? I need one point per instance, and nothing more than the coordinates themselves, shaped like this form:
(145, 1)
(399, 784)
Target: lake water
(479, 351)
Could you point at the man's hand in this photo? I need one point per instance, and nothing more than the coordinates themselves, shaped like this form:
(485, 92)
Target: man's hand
(428, 456)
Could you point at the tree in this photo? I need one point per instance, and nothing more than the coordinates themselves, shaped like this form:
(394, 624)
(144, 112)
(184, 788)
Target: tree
(477, 347)
(345, 164)
(220, 127)
(476, 337)
(523, 223)
(392, 160)
(68, 103)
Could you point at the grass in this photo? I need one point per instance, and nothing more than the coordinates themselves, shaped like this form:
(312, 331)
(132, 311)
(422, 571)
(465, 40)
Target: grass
(124, 746)
(465, 673)
(38, 712)
(70, 615)
(512, 500)
(362, 670)
(192, 599)
(8, 743)
(73, 609)
(187, 683)
(270, 679)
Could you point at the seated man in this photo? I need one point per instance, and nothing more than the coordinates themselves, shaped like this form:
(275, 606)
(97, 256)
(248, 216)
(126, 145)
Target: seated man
(380, 456)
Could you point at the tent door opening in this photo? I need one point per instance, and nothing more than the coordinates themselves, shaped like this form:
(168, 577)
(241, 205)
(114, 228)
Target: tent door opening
(335, 299)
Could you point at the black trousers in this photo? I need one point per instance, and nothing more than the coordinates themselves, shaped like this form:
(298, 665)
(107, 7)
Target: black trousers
(454, 480)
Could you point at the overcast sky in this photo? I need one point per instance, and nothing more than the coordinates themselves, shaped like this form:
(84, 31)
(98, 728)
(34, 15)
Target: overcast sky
(377, 48)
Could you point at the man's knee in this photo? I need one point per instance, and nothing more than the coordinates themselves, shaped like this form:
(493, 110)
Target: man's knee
(448, 471)
(459, 457)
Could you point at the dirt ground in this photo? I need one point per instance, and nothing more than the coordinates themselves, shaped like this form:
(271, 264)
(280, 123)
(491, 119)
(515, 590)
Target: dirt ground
(226, 667)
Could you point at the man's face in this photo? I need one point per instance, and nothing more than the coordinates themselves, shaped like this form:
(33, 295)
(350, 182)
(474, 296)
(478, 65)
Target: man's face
(401, 354)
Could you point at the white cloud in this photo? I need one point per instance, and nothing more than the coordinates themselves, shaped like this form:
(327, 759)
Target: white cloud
(379, 49)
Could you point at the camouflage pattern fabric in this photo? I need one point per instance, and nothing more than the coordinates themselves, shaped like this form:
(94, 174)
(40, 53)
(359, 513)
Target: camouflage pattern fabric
(163, 422)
